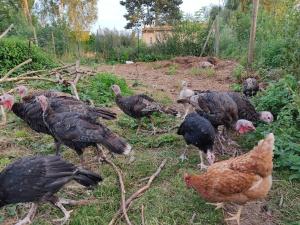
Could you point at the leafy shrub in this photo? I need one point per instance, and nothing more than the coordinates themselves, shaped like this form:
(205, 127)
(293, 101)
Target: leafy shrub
(14, 51)
(239, 72)
(98, 88)
(282, 99)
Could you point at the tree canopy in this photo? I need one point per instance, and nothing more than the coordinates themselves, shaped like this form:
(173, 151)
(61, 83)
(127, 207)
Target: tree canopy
(151, 11)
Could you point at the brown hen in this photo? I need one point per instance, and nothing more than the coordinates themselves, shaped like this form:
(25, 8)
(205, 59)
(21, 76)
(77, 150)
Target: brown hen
(245, 178)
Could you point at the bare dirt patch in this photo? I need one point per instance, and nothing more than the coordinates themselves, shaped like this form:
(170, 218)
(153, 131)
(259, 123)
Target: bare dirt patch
(154, 75)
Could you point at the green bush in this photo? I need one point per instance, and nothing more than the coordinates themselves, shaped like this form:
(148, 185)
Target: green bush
(14, 51)
(98, 88)
(283, 100)
(239, 72)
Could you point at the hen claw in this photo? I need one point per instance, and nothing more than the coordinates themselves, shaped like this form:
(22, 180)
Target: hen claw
(219, 205)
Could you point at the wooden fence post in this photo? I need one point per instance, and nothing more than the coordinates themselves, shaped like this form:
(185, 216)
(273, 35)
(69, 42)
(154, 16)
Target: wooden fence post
(217, 35)
(207, 38)
(252, 33)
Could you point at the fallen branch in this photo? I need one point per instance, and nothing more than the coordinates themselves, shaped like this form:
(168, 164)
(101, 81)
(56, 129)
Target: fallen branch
(77, 78)
(15, 79)
(139, 192)
(31, 72)
(15, 68)
(142, 215)
(122, 186)
(6, 31)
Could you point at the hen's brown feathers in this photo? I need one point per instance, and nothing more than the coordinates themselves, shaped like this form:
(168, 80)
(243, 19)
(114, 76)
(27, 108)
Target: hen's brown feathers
(241, 179)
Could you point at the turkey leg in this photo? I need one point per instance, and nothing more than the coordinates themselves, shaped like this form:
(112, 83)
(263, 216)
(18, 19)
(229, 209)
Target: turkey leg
(153, 127)
(201, 165)
(139, 122)
(183, 155)
(66, 213)
(29, 216)
(57, 146)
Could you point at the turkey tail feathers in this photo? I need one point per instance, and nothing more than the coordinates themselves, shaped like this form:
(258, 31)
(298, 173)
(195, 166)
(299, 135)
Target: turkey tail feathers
(105, 114)
(87, 178)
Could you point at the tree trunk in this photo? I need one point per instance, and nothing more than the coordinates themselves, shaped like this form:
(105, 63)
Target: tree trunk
(53, 43)
(207, 38)
(253, 33)
(29, 19)
(217, 36)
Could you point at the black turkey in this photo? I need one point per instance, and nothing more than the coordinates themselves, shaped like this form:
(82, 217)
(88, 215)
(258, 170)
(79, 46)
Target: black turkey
(220, 109)
(62, 102)
(250, 87)
(139, 106)
(198, 131)
(37, 179)
(78, 131)
(247, 111)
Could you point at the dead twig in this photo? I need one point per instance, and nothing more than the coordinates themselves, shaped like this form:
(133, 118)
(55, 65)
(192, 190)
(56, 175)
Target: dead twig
(6, 31)
(143, 216)
(77, 78)
(122, 186)
(139, 192)
(15, 79)
(193, 218)
(14, 69)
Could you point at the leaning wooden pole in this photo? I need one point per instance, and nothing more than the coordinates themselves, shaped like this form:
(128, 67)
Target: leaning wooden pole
(207, 38)
(252, 33)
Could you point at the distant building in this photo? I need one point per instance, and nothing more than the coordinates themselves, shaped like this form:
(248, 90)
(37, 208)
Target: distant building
(151, 35)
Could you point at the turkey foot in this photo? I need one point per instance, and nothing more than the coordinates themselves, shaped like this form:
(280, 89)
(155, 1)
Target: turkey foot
(66, 213)
(236, 216)
(202, 166)
(183, 157)
(219, 205)
(29, 216)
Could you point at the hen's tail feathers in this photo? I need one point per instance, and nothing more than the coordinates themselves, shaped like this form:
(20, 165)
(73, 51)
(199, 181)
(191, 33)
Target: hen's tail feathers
(105, 113)
(87, 178)
(116, 144)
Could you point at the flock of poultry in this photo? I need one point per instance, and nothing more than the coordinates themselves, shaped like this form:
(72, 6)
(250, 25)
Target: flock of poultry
(75, 124)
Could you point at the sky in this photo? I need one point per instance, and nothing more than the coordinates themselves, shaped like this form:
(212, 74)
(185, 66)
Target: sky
(110, 12)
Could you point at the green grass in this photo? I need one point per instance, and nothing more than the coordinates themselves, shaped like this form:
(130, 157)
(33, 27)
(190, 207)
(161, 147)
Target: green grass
(172, 70)
(196, 71)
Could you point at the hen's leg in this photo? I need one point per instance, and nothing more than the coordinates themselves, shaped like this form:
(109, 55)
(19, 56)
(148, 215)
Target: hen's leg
(29, 216)
(66, 213)
(183, 155)
(236, 216)
(219, 205)
(201, 165)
